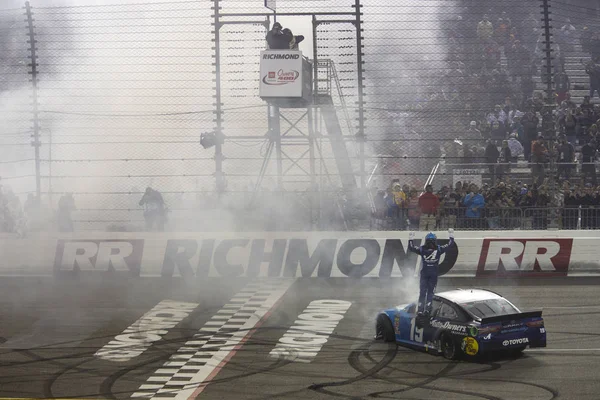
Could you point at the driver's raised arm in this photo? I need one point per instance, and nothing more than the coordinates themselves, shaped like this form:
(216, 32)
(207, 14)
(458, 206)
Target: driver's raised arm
(411, 246)
(445, 247)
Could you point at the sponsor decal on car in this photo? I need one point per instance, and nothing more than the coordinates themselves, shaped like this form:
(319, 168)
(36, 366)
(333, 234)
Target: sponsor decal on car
(454, 328)
(473, 331)
(511, 342)
(470, 346)
(521, 329)
(397, 324)
(487, 337)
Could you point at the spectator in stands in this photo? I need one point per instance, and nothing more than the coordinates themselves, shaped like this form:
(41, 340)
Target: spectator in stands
(584, 122)
(588, 162)
(473, 132)
(530, 129)
(428, 205)
(593, 70)
(404, 210)
(485, 29)
(450, 203)
(527, 83)
(504, 160)
(526, 197)
(475, 203)
(517, 128)
(497, 129)
(491, 159)
(586, 40)
(515, 147)
(570, 214)
(568, 35)
(570, 103)
(590, 134)
(391, 205)
(414, 211)
(539, 158)
(497, 115)
(502, 31)
(586, 201)
(563, 85)
(399, 200)
(540, 215)
(595, 45)
(586, 105)
(155, 210)
(380, 204)
(567, 126)
(566, 156)
(66, 205)
(530, 28)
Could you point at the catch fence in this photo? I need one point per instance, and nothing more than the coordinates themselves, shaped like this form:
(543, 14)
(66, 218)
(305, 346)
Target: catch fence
(103, 101)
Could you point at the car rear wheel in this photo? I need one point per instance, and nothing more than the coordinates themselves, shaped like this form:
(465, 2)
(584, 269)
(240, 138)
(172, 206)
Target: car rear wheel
(448, 346)
(384, 329)
(517, 352)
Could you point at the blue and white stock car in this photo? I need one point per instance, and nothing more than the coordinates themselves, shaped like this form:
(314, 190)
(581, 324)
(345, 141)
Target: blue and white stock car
(465, 322)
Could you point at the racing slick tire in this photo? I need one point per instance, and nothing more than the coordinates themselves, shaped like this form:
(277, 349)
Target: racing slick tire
(384, 329)
(448, 347)
(517, 352)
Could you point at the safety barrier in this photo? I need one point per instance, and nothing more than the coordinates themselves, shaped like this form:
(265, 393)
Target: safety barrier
(299, 254)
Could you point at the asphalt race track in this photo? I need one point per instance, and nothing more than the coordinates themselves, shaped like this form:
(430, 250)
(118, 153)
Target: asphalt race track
(69, 338)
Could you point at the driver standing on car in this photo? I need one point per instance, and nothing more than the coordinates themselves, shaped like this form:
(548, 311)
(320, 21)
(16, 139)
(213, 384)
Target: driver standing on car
(430, 254)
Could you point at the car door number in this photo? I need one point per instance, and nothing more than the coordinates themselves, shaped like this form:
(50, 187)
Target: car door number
(416, 334)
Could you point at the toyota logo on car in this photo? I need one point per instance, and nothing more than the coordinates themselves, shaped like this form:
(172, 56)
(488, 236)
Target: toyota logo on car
(515, 341)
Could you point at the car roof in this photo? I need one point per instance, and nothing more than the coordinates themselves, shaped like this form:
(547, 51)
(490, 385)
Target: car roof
(467, 295)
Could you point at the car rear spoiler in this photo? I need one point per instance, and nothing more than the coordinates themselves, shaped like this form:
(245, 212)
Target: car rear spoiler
(511, 317)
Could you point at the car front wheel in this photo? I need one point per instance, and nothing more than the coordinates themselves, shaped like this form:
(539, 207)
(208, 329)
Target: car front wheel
(448, 347)
(384, 329)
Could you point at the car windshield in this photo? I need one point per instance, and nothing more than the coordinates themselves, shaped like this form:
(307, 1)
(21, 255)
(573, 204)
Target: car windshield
(489, 308)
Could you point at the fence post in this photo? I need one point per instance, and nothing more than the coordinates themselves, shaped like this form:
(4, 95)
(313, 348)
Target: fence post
(361, 103)
(36, 143)
(218, 112)
(548, 126)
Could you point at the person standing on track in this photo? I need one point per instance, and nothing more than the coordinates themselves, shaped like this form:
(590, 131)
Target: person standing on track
(430, 254)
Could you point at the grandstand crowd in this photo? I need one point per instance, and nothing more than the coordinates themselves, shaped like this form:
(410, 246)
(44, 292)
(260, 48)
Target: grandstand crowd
(504, 205)
(499, 120)
(501, 77)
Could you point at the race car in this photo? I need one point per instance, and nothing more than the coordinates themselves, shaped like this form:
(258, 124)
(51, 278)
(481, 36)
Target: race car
(464, 322)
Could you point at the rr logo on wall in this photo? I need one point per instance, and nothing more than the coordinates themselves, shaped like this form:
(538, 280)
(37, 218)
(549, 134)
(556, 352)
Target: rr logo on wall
(99, 255)
(524, 257)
